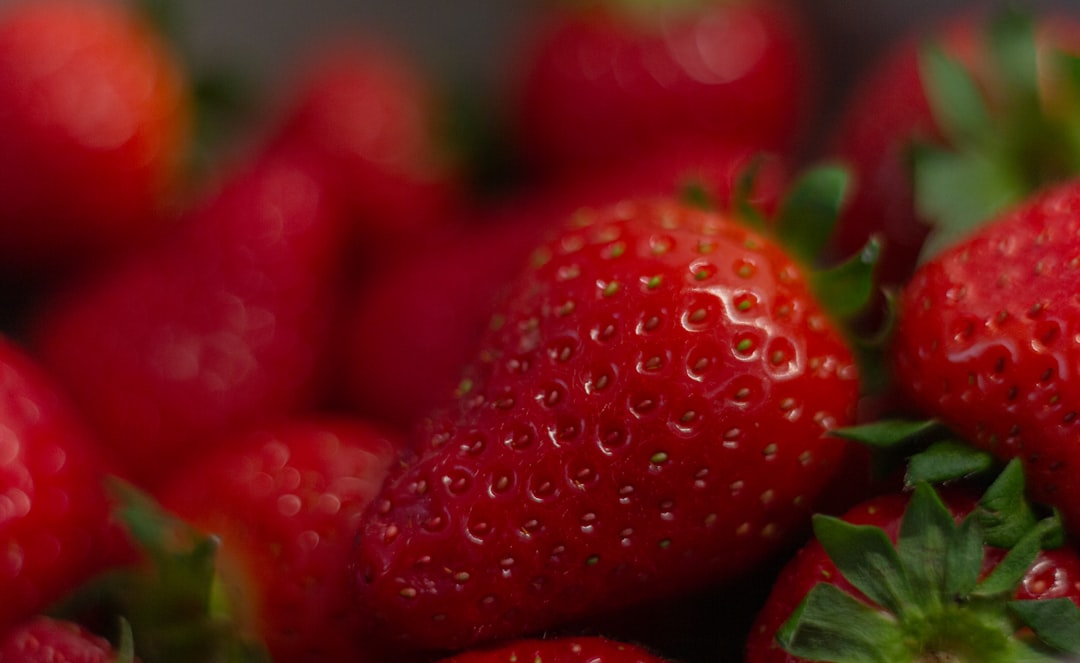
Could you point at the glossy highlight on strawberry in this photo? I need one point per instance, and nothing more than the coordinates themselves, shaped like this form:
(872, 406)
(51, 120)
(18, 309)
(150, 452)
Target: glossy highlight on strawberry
(647, 416)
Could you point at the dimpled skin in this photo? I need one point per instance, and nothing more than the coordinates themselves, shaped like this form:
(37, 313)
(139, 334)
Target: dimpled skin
(286, 501)
(95, 121)
(987, 342)
(55, 529)
(558, 650)
(45, 640)
(646, 416)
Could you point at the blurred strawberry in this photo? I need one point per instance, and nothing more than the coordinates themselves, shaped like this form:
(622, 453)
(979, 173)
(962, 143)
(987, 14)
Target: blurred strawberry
(47, 640)
(55, 527)
(221, 326)
(603, 81)
(94, 129)
(958, 120)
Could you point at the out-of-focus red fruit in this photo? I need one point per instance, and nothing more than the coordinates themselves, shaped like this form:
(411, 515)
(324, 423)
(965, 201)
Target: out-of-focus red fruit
(94, 130)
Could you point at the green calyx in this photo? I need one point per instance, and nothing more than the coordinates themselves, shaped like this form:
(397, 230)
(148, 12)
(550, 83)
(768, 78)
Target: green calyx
(1006, 136)
(926, 597)
(170, 607)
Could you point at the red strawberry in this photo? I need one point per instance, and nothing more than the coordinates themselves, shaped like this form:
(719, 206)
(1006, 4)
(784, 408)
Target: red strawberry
(959, 119)
(646, 417)
(914, 578)
(284, 503)
(426, 314)
(55, 528)
(559, 650)
(986, 341)
(95, 130)
(47, 640)
(219, 327)
(369, 114)
(604, 82)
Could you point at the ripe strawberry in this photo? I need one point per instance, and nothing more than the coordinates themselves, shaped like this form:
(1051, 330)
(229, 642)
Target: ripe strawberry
(646, 417)
(604, 82)
(369, 114)
(944, 135)
(95, 127)
(986, 341)
(426, 314)
(55, 529)
(47, 640)
(559, 650)
(218, 327)
(921, 577)
(284, 504)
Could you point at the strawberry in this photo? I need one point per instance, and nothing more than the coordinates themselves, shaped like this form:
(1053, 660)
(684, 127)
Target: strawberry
(646, 416)
(47, 640)
(559, 650)
(958, 120)
(921, 576)
(55, 526)
(220, 326)
(426, 314)
(96, 124)
(284, 505)
(601, 83)
(985, 341)
(369, 114)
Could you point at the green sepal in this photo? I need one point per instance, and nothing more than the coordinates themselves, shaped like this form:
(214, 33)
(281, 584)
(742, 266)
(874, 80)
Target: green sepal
(695, 194)
(742, 194)
(868, 560)
(925, 544)
(1010, 571)
(960, 191)
(1004, 511)
(832, 625)
(955, 98)
(1056, 622)
(1014, 54)
(809, 211)
(845, 290)
(947, 460)
(964, 560)
(125, 647)
(889, 433)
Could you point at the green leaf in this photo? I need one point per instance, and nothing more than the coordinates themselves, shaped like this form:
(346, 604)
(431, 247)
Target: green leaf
(1055, 621)
(867, 559)
(846, 289)
(958, 191)
(923, 545)
(889, 433)
(831, 625)
(955, 99)
(1014, 53)
(947, 460)
(1004, 512)
(964, 560)
(809, 211)
(1010, 571)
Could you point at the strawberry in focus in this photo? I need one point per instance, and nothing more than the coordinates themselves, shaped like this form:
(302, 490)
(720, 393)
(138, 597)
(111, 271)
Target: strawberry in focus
(559, 650)
(986, 340)
(96, 125)
(926, 577)
(646, 417)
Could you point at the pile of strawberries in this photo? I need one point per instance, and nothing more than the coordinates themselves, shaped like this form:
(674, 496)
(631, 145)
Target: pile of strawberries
(643, 361)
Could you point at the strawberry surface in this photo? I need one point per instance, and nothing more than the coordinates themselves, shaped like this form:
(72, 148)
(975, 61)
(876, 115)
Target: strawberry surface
(285, 504)
(55, 525)
(559, 650)
(47, 640)
(220, 326)
(986, 341)
(95, 131)
(604, 82)
(647, 416)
